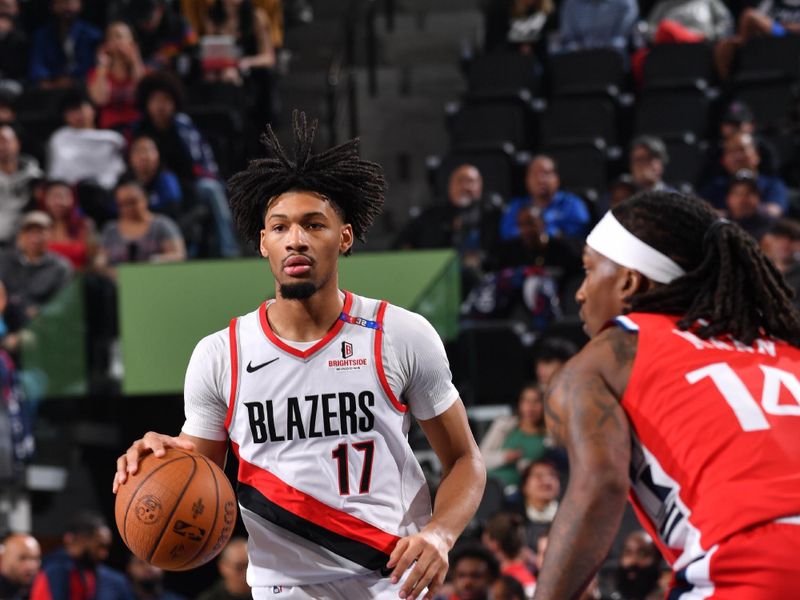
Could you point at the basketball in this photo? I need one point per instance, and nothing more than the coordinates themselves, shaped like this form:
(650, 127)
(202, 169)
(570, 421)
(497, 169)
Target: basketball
(177, 512)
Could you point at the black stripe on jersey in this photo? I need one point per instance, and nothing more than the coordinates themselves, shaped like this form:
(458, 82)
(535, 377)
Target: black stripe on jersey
(361, 554)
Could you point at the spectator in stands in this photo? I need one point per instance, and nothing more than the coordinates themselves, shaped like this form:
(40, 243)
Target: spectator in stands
(744, 206)
(504, 536)
(589, 24)
(73, 235)
(63, 50)
(738, 118)
(79, 152)
(519, 24)
(20, 561)
(184, 151)
(564, 214)
(540, 487)
(511, 443)
(688, 21)
(780, 244)
(232, 566)
(76, 571)
(468, 222)
(147, 581)
(770, 18)
(551, 354)
(31, 273)
(14, 45)
(535, 247)
(249, 26)
(739, 153)
(165, 38)
(112, 83)
(648, 157)
(138, 235)
(639, 570)
(17, 174)
(506, 587)
(473, 570)
(162, 186)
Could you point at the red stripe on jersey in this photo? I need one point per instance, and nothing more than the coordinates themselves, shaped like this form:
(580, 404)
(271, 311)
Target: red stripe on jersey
(379, 360)
(234, 370)
(262, 317)
(309, 508)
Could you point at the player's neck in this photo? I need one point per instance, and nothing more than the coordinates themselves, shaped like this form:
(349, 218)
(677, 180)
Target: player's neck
(306, 320)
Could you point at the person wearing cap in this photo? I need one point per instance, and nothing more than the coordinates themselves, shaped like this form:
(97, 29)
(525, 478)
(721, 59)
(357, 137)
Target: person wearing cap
(685, 400)
(17, 175)
(739, 118)
(648, 158)
(739, 152)
(744, 205)
(31, 273)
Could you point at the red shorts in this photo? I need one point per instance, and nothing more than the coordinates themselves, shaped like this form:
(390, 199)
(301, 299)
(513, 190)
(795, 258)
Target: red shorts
(762, 563)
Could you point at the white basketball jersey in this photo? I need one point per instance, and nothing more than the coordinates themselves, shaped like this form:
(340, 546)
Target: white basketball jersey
(327, 481)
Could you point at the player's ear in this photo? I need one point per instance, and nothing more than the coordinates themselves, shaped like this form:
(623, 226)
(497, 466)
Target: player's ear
(634, 283)
(262, 245)
(346, 239)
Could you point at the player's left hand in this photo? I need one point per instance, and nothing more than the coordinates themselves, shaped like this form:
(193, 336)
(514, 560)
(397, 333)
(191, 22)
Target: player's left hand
(427, 550)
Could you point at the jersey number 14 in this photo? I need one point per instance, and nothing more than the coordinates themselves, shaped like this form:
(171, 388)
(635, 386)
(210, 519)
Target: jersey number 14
(751, 417)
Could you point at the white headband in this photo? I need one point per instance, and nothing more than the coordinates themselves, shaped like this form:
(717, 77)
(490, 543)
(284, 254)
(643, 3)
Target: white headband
(613, 241)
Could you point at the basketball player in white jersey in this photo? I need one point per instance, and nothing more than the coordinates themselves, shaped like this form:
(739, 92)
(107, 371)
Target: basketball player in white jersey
(315, 390)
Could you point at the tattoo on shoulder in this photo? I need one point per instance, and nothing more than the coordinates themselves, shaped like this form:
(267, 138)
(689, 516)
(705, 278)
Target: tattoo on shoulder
(623, 345)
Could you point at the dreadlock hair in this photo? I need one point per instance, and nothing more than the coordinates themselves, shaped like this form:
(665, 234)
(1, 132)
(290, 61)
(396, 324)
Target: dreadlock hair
(355, 187)
(730, 287)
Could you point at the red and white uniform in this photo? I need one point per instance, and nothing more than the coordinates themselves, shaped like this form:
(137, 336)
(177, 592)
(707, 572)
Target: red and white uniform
(715, 465)
(327, 481)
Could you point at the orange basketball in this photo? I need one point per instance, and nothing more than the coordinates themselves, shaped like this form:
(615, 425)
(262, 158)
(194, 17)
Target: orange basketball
(177, 512)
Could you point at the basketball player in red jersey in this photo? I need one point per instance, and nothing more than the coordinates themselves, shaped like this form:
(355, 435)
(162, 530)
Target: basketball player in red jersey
(315, 390)
(687, 398)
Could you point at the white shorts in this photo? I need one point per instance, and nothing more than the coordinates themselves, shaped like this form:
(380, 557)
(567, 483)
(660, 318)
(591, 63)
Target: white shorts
(365, 587)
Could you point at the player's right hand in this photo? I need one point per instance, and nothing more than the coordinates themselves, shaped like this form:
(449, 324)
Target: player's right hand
(157, 443)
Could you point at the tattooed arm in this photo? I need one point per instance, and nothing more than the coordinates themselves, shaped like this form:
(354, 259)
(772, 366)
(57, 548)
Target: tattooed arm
(583, 412)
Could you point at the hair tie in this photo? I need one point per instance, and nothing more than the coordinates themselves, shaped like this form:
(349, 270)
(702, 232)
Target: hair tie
(713, 230)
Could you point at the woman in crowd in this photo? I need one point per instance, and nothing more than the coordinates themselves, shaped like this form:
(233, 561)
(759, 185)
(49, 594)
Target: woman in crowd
(513, 442)
(138, 235)
(162, 186)
(73, 235)
(112, 83)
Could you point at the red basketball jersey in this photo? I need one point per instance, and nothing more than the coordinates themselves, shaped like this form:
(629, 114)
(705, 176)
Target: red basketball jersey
(716, 435)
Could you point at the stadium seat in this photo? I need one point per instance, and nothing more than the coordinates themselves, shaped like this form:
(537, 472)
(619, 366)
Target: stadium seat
(768, 58)
(223, 129)
(772, 103)
(41, 101)
(583, 168)
(492, 122)
(578, 119)
(204, 94)
(671, 66)
(503, 73)
(587, 72)
(493, 362)
(687, 158)
(498, 168)
(673, 113)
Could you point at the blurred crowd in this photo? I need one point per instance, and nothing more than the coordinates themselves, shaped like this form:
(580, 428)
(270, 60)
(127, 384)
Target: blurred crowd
(105, 159)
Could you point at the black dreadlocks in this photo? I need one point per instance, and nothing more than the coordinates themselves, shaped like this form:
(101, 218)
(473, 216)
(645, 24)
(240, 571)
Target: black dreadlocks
(729, 283)
(354, 186)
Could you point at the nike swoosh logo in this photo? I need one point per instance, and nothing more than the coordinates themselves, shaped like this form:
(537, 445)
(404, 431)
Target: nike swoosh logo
(252, 369)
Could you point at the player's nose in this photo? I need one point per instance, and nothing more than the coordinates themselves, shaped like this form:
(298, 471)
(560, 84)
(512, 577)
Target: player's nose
(296, 238)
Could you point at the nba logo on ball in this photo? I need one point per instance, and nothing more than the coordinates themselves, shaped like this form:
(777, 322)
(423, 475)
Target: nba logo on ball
(347, 349)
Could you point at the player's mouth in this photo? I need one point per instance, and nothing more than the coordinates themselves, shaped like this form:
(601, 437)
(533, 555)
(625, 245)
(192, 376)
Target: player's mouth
(297, 265)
